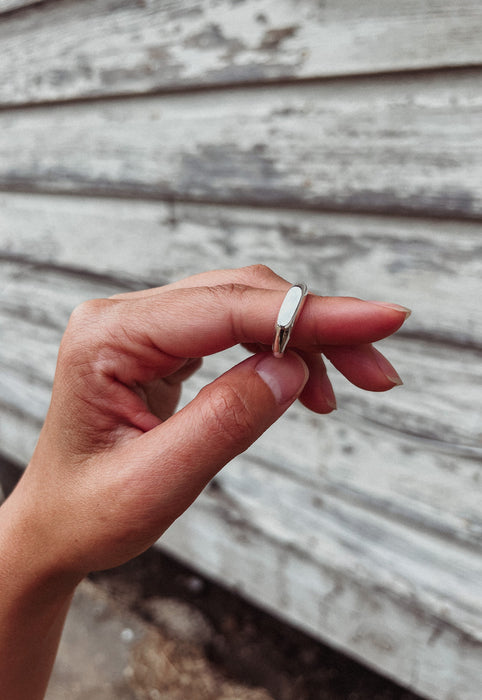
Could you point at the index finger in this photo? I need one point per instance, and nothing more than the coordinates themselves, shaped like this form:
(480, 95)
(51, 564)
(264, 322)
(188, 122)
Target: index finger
(201, 321)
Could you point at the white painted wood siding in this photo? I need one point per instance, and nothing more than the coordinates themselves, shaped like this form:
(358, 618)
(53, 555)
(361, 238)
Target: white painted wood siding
(408, 145)
(363, 527)
(65, 49)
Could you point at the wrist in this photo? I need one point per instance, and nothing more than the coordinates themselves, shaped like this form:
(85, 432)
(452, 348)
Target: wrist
(29, 565)
(36, 595)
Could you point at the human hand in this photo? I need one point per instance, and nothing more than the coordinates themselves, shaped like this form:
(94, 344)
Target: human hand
(115, 466)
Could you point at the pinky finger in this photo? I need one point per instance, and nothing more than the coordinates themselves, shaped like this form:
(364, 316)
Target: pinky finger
(318, 393)
(364, 366)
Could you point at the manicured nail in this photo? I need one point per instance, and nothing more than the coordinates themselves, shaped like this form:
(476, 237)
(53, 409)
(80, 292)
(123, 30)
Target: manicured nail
(396, 307)
(388, 370)
(286, 376)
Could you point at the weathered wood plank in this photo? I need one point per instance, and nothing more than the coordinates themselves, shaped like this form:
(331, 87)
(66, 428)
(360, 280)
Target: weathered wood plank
(76, 49)
(97, 243)
(402, 599)
(331, 528)
(388, 619)
(446, 505)
(366, 618)
(406, 145)
(434, 267)
(434, 487)
(363, 527)
(9, 5)
(428, 433)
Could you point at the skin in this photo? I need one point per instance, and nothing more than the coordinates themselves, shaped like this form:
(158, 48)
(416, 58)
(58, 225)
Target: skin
(115, 465)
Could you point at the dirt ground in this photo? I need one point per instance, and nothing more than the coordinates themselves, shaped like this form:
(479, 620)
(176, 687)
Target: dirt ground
(206, 643)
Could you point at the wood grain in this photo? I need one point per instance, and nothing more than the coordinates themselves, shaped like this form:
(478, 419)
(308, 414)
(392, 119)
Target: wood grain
(384, 559)
(9, 5)
(405, 145)
(308, 136)
(358, 468)
(433, 267)
(431, 481)
(72, 50)
(358, 612)
(68, 249)
(414, 620)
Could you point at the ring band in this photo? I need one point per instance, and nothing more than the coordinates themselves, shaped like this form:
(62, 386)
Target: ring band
(287, 315)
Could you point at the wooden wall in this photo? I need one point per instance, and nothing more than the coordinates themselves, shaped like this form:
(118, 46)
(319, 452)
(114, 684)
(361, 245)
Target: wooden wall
(340, 143)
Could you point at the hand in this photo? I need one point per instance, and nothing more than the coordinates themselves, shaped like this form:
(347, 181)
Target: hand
(115, 466)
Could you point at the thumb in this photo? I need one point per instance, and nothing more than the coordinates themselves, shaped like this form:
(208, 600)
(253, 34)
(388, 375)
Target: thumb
(224, 419)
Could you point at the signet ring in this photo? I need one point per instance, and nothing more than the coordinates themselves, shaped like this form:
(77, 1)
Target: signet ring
(287, 315)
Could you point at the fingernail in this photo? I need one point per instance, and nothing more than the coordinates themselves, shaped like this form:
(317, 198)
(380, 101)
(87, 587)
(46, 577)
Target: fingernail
(388, 370)
(286, 377)
(396, 307)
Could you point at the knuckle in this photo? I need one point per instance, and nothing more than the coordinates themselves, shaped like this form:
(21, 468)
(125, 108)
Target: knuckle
(259, 272)
(89, 312)
(231, 417)
(87, 323)
(229, 298)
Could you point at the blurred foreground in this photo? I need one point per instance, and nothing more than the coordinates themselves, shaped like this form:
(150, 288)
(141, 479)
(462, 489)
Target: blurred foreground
(154, 630)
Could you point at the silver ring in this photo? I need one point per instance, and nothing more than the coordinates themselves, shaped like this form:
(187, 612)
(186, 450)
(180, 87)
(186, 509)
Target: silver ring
(287, 315)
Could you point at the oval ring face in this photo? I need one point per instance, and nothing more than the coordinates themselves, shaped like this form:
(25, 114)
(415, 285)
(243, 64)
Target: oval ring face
(289, 307)
(287, 315)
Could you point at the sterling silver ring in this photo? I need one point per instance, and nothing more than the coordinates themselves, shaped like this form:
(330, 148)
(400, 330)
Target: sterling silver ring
(287, 315)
